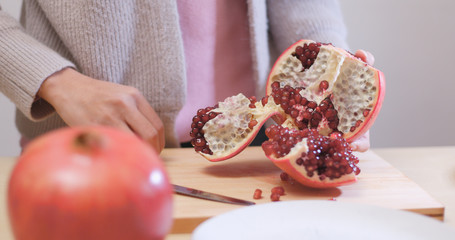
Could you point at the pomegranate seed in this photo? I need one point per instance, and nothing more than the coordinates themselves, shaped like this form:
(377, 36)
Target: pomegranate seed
(275, 85)
(252, 123)
(199, 142)
(212, 115)
(366, 112)
(312, 105)
(264, 101)
(312, 46)
(284, 176)
(275, 197)
(277, 98)
(200, 124)
(294, 113)
(330, 114)
(357, 124)
(278, 190)
(268, 148)
(323, 85)
(299, 50)
(196, 119)
(333, 124)
(193, 132)
(314, 123)
(323, 106)
(257, 194)
(306, 52)
(335, 135)
(292, 102)
(309, 62)
(317, 115)
(306, 115)
(313, 55)
(205, 118)
(201, 111)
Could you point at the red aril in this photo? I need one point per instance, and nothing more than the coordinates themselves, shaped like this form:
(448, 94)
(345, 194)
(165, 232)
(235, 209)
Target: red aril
(89, 183)
(257, 194)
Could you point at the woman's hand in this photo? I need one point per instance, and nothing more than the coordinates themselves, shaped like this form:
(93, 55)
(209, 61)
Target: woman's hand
(362, 144)
(81, 100)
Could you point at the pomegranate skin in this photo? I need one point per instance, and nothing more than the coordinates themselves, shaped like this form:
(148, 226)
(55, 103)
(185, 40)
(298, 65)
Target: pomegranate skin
(285, 165)
(89, 183)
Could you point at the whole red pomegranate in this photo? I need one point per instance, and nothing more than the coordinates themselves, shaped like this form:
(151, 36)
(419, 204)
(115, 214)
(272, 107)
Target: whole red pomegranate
(89, 183)
(311, 86)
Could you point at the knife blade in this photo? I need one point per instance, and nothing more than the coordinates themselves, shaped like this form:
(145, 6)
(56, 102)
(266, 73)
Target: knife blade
(209, 196)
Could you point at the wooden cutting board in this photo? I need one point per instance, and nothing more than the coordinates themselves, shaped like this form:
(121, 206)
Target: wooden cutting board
(379, 183)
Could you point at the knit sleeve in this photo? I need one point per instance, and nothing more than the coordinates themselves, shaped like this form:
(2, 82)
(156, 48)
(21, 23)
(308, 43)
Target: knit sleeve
(318, 20)
(24, 64)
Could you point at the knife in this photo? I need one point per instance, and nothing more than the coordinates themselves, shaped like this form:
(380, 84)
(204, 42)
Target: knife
(209, 196)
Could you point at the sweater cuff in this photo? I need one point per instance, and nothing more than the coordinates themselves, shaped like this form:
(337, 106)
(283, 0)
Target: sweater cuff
(24, 64)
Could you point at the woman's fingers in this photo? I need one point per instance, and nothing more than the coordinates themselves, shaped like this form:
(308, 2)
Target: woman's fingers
(145, 129)
(365, 56)
(147, 111)
(362, 144)
(81, 100)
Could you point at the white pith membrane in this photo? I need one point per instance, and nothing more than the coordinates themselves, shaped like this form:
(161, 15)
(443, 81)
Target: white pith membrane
(325, 67)
(354, 91)
(352, 82)
(295, 153)
(229, 130)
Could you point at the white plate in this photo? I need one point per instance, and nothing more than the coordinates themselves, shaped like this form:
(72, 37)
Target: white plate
(308, 219)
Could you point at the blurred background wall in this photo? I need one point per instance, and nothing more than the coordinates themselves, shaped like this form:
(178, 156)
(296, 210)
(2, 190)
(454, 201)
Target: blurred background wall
(414, 45)
(9, 137)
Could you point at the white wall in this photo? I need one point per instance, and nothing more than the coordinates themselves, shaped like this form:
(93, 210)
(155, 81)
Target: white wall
(414, 45)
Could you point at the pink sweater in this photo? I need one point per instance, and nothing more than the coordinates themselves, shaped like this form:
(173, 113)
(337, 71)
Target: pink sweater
(217, 55)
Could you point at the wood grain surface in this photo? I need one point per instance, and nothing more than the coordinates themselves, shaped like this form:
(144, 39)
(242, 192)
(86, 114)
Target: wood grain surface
(378, 184)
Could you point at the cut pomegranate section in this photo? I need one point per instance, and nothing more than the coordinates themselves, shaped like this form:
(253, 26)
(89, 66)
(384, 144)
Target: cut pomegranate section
(321, 96)
(221, 132)
(354, 89)
(312, 159)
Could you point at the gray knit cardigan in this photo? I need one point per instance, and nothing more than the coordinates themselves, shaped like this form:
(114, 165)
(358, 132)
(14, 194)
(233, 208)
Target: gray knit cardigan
(136, 43)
